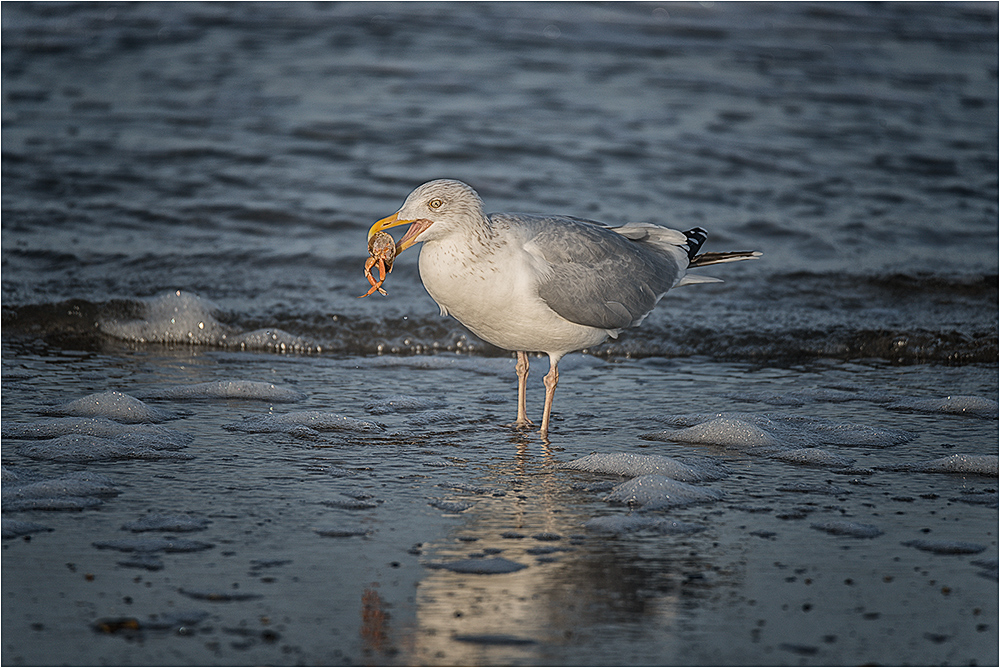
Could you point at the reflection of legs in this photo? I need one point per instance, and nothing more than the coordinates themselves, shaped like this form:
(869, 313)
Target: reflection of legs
(522, 381)
(551, 380)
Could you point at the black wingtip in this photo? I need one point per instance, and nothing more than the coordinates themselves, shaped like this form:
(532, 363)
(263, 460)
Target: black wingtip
(696, 238)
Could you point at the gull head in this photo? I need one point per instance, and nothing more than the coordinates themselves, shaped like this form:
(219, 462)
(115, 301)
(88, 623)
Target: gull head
(434, 210)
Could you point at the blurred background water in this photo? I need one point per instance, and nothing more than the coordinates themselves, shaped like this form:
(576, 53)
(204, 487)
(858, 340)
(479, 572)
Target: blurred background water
(240, 153)
(186, 192)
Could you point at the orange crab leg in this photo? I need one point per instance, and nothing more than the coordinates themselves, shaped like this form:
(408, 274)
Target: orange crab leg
(380, 263)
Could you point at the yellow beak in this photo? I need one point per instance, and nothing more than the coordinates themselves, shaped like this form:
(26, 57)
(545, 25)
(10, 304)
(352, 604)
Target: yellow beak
(416, 227)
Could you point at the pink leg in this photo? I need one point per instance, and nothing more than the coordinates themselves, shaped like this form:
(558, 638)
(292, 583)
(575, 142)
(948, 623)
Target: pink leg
(522, 381)
(551, 380)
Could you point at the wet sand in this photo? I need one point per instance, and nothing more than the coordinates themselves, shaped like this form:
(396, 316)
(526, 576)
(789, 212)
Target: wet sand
(348, 547)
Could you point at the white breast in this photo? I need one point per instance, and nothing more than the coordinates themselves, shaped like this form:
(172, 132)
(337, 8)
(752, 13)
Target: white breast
(495, 295)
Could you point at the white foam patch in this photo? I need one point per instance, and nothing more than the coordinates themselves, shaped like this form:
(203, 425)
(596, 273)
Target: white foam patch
(450, 506)
(726, 431)
(814, 457)
(252, 390)
(76, 484)
(767, 434)
(83, 449)
(946, 546)
(184, 317)
(274, 340)
(172, 317)
(494, 566)
(619, 524)
(402, 402)
(424, 418)
(653, 492)
(303, 423)
(955, 405)
(986, 465)
(115, 406)
(53, 503)
(171, 523)
(100, 427)
(15, 528)
(350, 504)
(630, 465)
(845, 528)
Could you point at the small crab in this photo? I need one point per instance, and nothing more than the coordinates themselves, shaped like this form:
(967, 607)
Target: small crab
(382, 249)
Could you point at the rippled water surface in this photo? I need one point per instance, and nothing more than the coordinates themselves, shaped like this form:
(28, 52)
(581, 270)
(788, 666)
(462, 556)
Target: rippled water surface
(214, 453)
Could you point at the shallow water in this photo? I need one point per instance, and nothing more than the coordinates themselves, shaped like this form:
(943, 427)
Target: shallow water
(288, 474)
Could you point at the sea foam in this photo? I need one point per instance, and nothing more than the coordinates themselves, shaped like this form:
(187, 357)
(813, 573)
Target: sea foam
(986, 465)
(82, 449)
(629, 464)
(303, 423)
(653, 492)
(226, 389)
(767, 434)
(115, 406)
(101, 427)
(956, 405)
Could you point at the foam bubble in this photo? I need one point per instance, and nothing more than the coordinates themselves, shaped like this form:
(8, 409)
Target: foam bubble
(730, 432)
(170, 317)
(494, 566)
(845, 528)
(101, 427)
(15, 528)
(274, 340)
(657, 491)
(773, 433)
(350, 504)
(424, 418)
(986, 465)
(226, 389)
(70, 485)
(946, 546)
(302, 423)
(956, 405)
(184, 317)
(56, 503)
(814, 457)
(630, 465)
(113, 406)
(402, 402)
(450, 506)
(81, 449)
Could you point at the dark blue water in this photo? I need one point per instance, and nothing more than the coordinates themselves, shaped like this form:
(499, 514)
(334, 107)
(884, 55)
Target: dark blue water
(185, 195)
(240, 153)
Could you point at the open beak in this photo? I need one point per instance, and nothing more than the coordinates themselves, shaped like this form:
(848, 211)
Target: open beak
(409, 238)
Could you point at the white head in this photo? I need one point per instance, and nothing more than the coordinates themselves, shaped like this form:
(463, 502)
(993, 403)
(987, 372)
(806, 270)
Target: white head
(433, 210)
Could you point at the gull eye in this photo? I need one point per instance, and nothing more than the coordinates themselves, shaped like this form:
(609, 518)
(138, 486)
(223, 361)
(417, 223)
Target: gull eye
(435, 203)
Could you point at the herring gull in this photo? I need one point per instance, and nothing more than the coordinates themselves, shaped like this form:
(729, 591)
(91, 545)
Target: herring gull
(551, 284)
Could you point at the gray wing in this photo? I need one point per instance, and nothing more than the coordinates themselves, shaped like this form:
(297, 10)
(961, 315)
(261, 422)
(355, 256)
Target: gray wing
(595, 276)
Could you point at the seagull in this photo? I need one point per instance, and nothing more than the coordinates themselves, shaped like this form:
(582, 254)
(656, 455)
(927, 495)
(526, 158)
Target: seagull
(541, 283)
